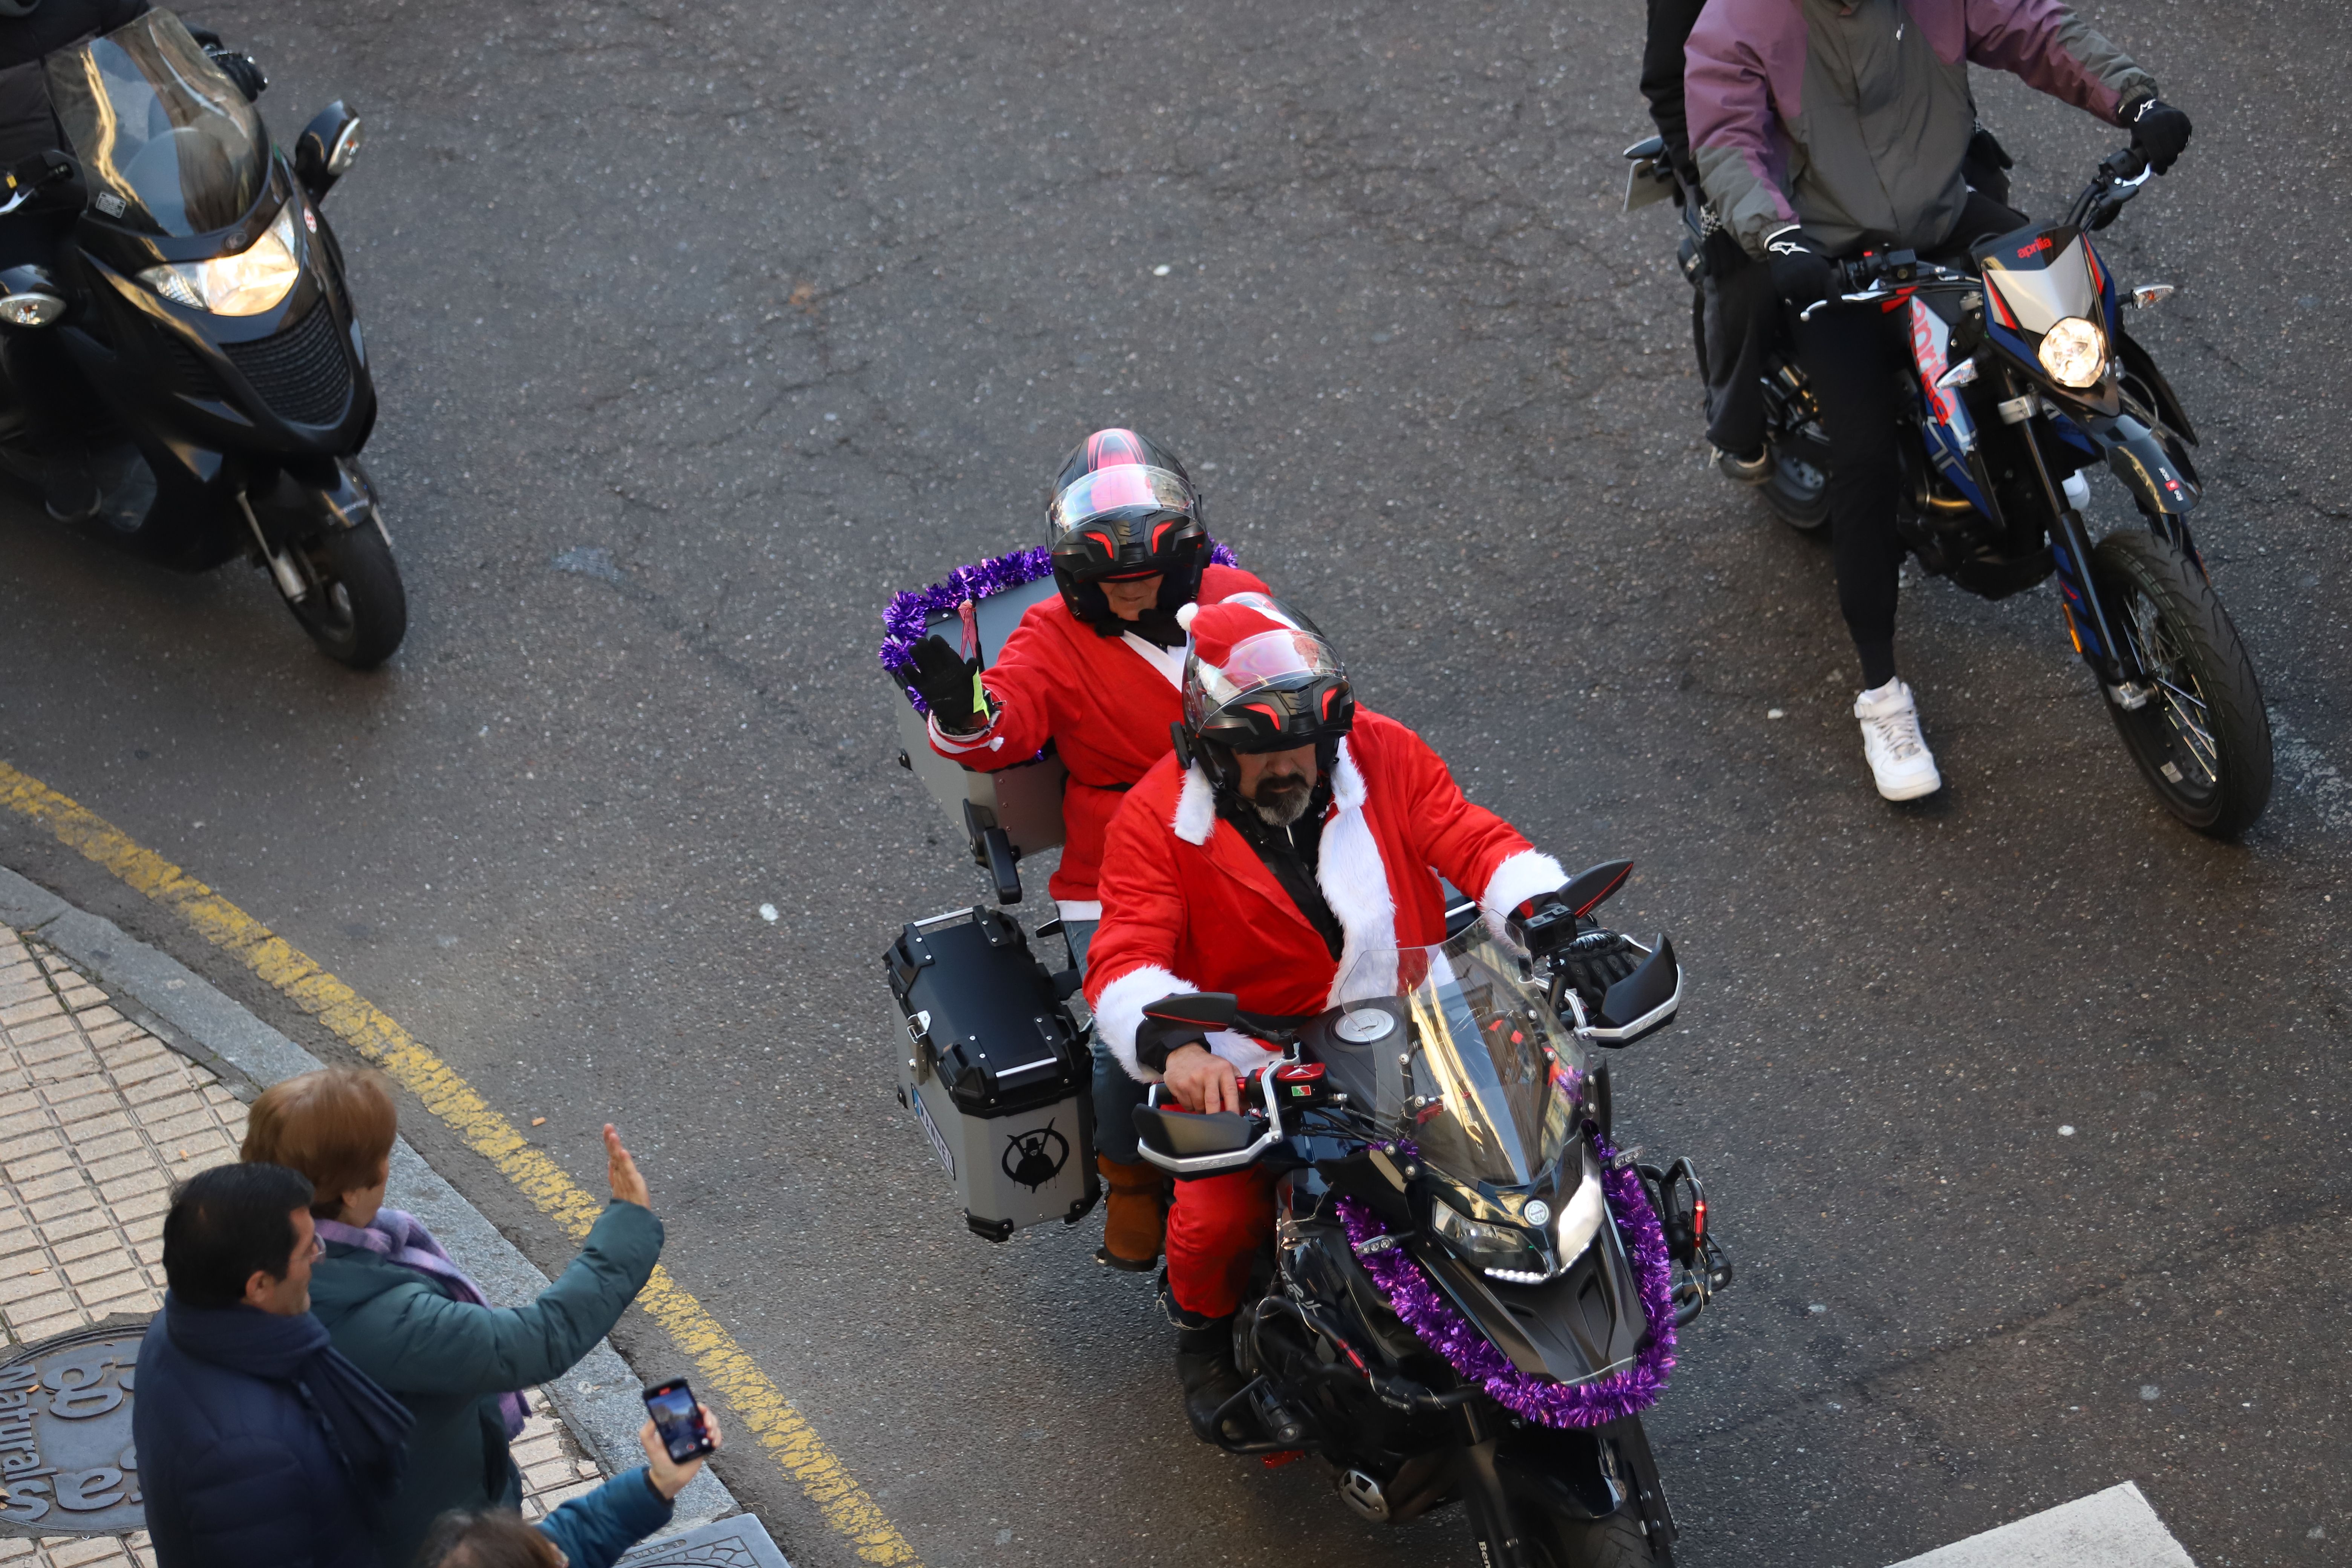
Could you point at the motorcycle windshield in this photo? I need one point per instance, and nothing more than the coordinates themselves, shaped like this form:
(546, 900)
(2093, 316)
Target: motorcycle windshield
(167, 144)
(1501, 1074)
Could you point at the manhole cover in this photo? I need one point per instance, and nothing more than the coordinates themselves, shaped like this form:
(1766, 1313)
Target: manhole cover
(66, 1462)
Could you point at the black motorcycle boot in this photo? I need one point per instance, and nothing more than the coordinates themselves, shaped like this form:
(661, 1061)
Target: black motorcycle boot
(1204, 1365)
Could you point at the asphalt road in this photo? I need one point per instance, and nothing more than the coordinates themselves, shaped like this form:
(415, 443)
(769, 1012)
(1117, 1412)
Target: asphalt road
(701, 328)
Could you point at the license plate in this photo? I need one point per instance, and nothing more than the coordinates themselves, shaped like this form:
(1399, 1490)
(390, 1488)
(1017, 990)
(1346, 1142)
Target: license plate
(931, 1132)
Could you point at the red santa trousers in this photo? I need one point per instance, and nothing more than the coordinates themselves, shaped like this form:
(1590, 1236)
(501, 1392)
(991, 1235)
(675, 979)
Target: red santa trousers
(1216, 1228)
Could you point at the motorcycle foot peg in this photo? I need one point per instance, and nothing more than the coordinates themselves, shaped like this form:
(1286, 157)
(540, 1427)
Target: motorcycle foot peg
(1276, 1419)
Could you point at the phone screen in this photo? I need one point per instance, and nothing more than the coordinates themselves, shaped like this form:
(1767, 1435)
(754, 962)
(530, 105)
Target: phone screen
(676, 1420)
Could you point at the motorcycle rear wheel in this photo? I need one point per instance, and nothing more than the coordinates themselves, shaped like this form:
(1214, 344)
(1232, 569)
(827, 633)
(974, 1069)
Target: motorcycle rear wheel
(2203, 741)
(356, 610)
(1798, 493)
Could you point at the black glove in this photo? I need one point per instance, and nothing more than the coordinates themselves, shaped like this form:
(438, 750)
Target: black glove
(2160, 133)
(1800, 270)
(239, 68)
(1597, 959)
(948, 683)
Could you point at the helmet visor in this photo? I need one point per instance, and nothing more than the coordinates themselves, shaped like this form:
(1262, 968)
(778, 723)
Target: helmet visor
(1290, 657)
(1117, 488)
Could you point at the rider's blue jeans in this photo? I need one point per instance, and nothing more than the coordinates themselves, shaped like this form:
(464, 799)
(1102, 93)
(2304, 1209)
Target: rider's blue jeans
(1117, 1094)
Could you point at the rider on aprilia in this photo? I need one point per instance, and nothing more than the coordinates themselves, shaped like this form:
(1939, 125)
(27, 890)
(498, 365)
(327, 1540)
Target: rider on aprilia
(1822, 129)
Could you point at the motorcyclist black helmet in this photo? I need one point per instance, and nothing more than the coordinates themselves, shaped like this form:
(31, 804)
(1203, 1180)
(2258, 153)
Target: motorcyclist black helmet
(1259, 676)
(1122, 506)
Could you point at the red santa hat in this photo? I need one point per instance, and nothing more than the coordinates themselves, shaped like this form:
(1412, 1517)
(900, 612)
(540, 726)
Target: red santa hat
(1217, 629)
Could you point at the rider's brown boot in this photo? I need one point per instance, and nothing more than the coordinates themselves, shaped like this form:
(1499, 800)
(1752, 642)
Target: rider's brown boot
(1135, 1218)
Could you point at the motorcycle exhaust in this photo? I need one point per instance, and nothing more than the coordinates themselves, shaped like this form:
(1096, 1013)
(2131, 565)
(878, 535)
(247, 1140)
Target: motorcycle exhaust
(1363, 1494)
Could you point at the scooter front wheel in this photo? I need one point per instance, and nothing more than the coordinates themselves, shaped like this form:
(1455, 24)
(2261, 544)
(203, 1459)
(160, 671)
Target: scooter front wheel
(355, 609)
(2201, 738)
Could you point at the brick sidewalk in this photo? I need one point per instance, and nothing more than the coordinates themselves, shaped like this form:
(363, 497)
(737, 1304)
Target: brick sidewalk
(98, 1119)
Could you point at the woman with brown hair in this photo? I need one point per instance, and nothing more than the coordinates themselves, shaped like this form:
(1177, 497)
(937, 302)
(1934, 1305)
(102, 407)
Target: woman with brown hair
(396, 1306)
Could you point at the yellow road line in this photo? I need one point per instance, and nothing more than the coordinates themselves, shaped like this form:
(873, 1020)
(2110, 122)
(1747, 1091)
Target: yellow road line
(724, 1364)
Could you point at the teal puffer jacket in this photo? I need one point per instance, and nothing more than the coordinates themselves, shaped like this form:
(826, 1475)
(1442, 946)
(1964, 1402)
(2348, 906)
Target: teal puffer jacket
(448, 1361)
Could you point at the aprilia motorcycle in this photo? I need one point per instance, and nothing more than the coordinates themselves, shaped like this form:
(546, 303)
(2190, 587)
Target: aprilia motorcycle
(1473, 1293)
(2023, 380)
(200, 295)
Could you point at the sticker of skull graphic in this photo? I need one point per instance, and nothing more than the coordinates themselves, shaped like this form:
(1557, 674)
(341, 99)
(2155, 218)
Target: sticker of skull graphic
(1035, 1157)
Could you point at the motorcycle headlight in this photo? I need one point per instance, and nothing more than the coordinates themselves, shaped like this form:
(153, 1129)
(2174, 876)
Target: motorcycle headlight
(2074, 352)
(245, 284)
(1502, 1250)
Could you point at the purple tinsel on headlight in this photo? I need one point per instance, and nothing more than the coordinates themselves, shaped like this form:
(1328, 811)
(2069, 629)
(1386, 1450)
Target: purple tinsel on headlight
(1423, 1308)
(906, 620)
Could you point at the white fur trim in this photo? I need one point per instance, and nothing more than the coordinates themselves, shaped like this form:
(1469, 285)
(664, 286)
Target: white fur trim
(1077, 909)
(1196, 808)
(1519, 877)
(1119, 1010)
(969, 741)
(1185, 612)
(1355, 882)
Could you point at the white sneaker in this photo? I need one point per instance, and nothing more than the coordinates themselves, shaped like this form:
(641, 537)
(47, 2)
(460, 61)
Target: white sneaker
(1897, 752)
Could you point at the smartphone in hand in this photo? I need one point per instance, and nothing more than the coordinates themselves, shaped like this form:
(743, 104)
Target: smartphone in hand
(677, 1420)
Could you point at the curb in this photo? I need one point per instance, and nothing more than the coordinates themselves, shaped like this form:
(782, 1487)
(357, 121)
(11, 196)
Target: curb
(598, 1398)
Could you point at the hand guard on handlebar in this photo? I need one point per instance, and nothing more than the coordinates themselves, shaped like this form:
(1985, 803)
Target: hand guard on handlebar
(1597, 959)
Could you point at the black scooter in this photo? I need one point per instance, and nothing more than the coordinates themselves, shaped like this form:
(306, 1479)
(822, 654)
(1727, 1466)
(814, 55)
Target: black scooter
(214, 366)
(1472, 1295)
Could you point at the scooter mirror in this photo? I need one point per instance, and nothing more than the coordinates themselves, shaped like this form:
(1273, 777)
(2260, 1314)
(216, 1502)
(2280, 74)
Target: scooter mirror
(327, 148)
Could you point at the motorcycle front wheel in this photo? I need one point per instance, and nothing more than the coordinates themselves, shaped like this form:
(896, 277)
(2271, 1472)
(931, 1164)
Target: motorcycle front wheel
(1556, 1540)
(356, 610)
(2202, 740)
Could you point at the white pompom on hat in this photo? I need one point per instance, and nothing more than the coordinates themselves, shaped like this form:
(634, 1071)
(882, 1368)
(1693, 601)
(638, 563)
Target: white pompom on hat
(1185, 612)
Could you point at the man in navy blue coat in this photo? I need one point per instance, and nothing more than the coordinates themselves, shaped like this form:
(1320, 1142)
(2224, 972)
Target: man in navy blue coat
(257, 1442)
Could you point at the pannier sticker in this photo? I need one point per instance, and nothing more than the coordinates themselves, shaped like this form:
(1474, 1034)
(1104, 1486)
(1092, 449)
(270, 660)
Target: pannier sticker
(932, 1131)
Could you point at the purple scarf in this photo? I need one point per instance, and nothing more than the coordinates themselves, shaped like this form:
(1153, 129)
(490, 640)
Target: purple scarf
(400, 1238)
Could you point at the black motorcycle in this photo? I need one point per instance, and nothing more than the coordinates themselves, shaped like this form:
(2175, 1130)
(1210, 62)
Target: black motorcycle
(200, 301)
(1472, 1294)
(2022, 379)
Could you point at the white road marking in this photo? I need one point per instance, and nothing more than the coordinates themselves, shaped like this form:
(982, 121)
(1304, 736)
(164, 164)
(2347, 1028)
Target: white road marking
(2113, 1528)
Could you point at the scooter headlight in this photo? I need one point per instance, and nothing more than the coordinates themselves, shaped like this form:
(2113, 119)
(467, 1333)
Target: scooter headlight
(2074, 352)
(245, 284)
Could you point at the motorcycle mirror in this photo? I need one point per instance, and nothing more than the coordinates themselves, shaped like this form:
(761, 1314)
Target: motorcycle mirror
(1210, 1009)
(325, 150)
(1589, 888)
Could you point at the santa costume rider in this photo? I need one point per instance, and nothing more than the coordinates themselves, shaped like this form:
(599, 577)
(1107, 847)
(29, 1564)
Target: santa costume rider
(1097, 672)
(1301, 834)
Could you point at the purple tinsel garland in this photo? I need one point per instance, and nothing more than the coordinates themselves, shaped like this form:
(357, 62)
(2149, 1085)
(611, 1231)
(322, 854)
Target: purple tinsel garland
(1416, 1299)
(906, 621)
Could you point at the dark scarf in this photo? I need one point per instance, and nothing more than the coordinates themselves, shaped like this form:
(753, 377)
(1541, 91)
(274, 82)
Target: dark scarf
(1155, 625)
(1292, 854)
(366, 1428)
(400, 1238)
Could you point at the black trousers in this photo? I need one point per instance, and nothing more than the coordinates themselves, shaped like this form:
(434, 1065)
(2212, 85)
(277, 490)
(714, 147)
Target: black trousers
(1851, 356)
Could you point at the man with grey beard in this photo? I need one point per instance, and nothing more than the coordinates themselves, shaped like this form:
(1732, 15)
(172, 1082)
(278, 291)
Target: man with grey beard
(1291, 843)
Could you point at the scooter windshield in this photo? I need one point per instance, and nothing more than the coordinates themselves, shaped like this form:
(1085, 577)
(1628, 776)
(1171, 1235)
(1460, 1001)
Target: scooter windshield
(1501, 1076)
(167, 142)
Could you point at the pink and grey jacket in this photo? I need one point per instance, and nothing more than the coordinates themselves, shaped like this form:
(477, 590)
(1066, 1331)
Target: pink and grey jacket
(1849, 120)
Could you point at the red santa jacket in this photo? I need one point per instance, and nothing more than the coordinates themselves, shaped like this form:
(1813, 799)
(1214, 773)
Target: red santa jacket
(1189, 906)
(1104, 702)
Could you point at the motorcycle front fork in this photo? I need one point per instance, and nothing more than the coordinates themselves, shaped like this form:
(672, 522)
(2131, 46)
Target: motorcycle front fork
(1495, 1523)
